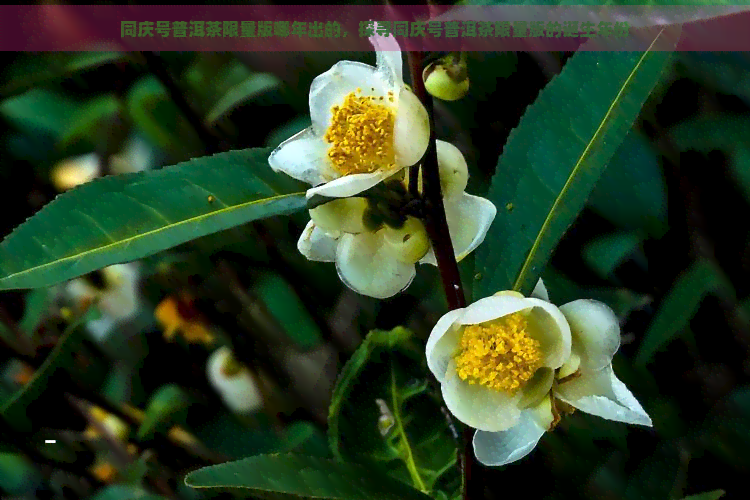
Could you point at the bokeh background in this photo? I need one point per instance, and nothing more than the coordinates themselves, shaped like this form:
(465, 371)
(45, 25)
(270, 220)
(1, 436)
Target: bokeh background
(663, 240)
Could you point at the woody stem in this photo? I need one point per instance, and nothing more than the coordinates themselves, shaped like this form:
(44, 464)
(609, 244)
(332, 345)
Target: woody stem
(436, 225)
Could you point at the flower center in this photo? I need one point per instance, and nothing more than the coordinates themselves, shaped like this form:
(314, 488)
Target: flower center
(361, 134)
(499, 355)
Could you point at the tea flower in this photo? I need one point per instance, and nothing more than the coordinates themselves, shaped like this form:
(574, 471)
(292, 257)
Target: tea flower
(114, 288)
(176, 317)
(75, 171)
(234, 382)
(375, 248)
(508, 365)
(366, 126)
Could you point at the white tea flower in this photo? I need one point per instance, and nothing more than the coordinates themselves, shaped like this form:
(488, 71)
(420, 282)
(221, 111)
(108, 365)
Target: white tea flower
(233, 382)
(378, 259)
(75, 171)
(366, 126)
(508, 365)
(117, 296)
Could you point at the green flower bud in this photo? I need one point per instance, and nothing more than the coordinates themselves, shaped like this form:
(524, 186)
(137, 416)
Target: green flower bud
(447, 78)
(409, 243)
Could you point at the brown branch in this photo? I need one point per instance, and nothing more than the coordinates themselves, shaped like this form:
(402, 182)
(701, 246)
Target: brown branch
(440, 239)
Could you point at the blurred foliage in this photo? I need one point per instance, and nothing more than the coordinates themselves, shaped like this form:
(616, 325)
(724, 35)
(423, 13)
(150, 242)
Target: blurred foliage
(661, 239)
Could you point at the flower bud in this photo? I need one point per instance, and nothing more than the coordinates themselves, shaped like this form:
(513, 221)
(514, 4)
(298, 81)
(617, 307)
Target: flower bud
(342, 214)
(447, 78)
(408, 243)
(233, 382)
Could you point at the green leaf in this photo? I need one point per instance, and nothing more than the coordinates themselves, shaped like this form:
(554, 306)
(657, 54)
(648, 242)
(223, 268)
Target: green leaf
(37, 303)
(679, 306)
(251, 87)
(39, 111)
(740, 165)
(136, 471)
(288, 310)
(302, 476)
(152, 110)
(165, 406)
(605, 253)
(14, 409)
(89, 122)
(18, 476)
(124, 492)
(31, 70)
(708, 495)
(306, 439)
(631, 192)
(707, 132)
(127, 217)
(552, 161)
(382, 413)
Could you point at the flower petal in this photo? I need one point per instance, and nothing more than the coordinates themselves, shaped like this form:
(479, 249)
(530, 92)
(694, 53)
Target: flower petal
(411, 130)
(389, 59)
(494, 307)
(351, 185)
(595, 330)
(602, 394)
(442, 343)
(469, 218)
(365, 265)
(540, 291)
(316, 245)
(479, 406)
(454, 172)
(500, 448)
(303, 156)
(329, 89)
(548, 326)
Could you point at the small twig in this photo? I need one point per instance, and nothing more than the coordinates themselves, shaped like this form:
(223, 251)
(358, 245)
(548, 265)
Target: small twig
(437, 230)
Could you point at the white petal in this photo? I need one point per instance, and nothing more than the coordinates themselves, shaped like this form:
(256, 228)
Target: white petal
(75, 171)
(429, 258)
(330, 88)
(478, 406)
(389, 60)
(500, 448)
(351, 185)
(119, 304)
(78, 289)
(595, 330)
(454, 172)
(365, 265)
(239, 392)
(316, 245)
(540, 291)
(411, 130)
(602, 394)
(442, 343)
(303, 156)
(100, 329)
(548, 325)
(494, 307)
(469, 218)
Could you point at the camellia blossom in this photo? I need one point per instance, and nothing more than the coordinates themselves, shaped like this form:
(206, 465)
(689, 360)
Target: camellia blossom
(509, 365)
(380, 261)
(115, 289)
(234, 382)
(366, 126)
(175, 316)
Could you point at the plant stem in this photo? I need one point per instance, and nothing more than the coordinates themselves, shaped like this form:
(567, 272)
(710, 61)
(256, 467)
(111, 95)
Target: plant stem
(436, 225)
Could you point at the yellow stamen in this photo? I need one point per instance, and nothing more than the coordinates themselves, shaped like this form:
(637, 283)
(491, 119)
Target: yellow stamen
(361, 134)
(500, 355)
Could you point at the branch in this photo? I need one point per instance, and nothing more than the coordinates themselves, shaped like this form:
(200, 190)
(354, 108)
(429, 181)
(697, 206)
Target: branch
(440, 238)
